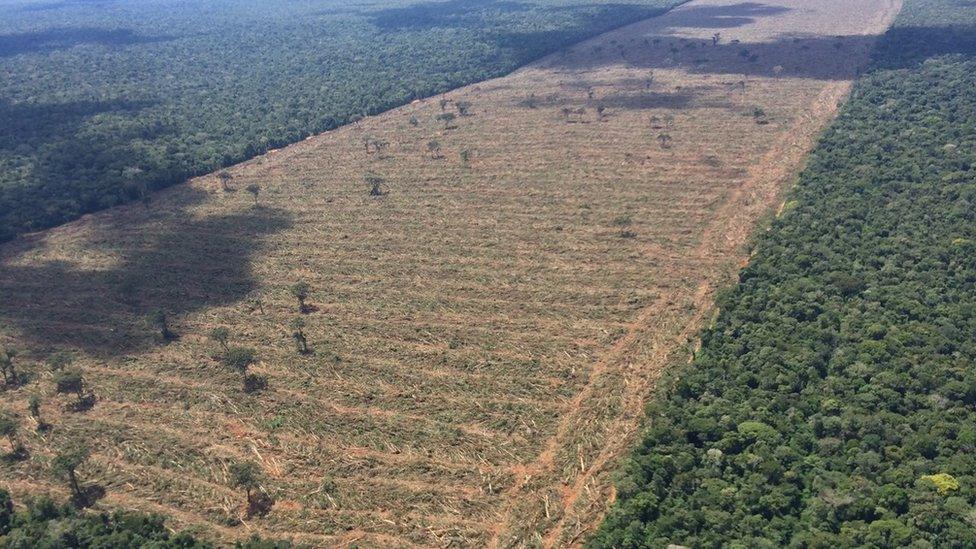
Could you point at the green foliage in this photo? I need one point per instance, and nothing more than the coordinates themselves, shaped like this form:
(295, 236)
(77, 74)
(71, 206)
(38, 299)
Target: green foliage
(8, 427)
(221, 335)
(45, 524)
(301, 290)
(99, 106)
(7, 367)
(66, 463)
(59, 361)
(160, 322)
(69, 381)
(239, 358)
(34, 406)
(943, 482)
(833, 400)
(244, 474)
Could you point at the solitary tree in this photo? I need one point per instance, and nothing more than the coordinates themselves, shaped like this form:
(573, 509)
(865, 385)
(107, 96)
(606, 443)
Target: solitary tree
(8, 429)
(464, 108)
(7, 365)
(240, 359)
(298, 334)
(70, 381)
(34, 408)
(759, 115)
(220, 335)
(434, 149)
(665, 140)
(375, 183)
(301, 290)
(159, 322)
(66, 464)
(465, 157)
(715, 38)
(443, 102)
(255, 190)
(225, 178)
(247, 476)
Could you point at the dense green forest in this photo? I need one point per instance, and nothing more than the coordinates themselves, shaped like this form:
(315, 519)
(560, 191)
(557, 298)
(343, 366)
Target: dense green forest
(104, 100)
(833, 401)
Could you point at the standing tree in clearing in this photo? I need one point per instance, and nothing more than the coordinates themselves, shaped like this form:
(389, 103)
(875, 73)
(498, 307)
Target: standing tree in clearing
(220, 335)
(158, 320)
(301, 290)
(240, 359)
(8, 429)
(66, 464)
(255, 190)
(298, 334)
(7, 365)
(225, 178)
(70, 381)
(246, 475)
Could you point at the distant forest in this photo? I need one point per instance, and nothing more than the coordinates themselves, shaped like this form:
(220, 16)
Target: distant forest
(103, 101)
(833, 401)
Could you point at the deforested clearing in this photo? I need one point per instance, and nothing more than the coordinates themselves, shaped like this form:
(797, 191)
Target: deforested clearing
(496, 277)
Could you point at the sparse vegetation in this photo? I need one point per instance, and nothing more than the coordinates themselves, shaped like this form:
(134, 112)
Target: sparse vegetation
(239, 359)
(65, 464)
(70, 381)
(300, 291)
(7, 366)
(160, 323)
(246, 475)
(297, 326)
(9, 426)
(221, 335)
(254, 189)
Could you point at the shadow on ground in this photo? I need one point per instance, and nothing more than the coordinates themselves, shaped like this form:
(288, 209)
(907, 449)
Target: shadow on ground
(170, 261)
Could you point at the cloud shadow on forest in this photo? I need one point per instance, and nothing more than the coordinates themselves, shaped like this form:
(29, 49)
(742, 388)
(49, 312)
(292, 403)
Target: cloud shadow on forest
(39, 124)
(68, 37)
(170, 261)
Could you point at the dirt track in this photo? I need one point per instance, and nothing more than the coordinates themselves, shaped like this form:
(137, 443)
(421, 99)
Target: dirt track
(485, 334)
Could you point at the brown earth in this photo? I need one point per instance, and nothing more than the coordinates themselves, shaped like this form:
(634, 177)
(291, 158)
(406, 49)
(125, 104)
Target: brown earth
(485, 334)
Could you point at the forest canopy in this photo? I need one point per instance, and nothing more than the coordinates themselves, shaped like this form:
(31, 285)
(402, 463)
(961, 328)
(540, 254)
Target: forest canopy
(104, 101)
(833, 401)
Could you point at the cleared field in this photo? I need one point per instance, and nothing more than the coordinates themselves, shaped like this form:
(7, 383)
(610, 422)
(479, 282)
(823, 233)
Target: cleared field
(484, 333)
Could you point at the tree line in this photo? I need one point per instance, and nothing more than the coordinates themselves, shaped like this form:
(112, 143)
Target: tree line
(833, 401)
